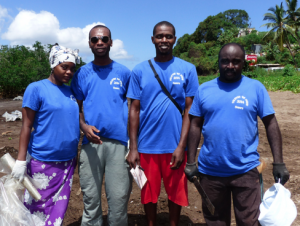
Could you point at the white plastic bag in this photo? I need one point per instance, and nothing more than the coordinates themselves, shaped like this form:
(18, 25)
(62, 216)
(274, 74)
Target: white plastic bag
(18, 98)
(277, 208)
(13, 116)
(12, 210)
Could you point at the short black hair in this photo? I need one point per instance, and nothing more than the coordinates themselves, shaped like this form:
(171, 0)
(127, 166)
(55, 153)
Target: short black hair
(98, 26)
(233, 44)
(164, 23)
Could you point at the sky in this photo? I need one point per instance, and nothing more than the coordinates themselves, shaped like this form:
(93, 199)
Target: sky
(22, 22)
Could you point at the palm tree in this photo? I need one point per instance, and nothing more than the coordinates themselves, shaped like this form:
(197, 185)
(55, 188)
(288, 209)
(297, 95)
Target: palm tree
(293, 17)
(280, 27)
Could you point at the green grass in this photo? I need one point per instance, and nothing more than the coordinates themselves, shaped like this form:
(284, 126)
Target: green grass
(273, 81)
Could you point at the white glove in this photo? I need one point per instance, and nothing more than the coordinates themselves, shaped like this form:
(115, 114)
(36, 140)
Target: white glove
(19, 170)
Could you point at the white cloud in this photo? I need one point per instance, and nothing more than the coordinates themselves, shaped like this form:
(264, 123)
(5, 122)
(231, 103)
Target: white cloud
(3, 16)
(117, 51)
(29, 26)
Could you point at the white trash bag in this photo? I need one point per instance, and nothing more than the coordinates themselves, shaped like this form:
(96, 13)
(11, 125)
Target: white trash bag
(277, 208)
(12, 210)
(18, 98)
(13, 116)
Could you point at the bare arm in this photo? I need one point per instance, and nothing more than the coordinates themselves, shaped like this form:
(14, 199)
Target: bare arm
(87, 129)
(280, 171)
(274, 137)
(194, 138)
(134, 120)
(27, 123)
(191, 170)
(178, 154)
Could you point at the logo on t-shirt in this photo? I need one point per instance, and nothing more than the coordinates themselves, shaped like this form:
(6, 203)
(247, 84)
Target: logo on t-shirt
(73, 98)
(176, 78)
(116, 83)
(240, 102)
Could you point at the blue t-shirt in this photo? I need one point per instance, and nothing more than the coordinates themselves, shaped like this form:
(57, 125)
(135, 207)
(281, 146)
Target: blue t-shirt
(160, 121)
(56, 122)
(103, 91)
(230, 129)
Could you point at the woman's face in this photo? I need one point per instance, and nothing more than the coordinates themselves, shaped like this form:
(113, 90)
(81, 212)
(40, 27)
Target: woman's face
(63, 72)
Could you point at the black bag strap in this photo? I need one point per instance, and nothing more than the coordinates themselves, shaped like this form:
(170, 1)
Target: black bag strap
(164, 88)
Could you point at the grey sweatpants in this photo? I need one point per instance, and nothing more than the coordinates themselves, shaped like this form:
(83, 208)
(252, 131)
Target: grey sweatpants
(94, 161)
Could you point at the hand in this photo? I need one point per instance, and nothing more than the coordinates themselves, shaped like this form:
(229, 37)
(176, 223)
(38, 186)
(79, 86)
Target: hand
(19, 170)
(191, 171)
(90, 135)
(280, 172)
(133, 158)
(177, 158)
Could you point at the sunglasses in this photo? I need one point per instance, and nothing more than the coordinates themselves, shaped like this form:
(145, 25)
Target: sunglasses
(104, 39)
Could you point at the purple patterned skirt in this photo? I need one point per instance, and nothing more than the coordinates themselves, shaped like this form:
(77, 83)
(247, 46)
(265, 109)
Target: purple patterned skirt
(55, 182)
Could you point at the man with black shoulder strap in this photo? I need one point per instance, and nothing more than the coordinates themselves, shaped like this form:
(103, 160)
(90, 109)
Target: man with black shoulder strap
(160, 90)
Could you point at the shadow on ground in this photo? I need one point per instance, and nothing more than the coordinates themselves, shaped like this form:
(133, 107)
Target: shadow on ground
(140, 220)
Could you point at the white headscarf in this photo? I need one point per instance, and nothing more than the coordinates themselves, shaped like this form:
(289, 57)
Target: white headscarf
(60, 54)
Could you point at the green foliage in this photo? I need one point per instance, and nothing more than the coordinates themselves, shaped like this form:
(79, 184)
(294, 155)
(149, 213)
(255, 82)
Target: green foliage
(271, 51)
(228, 35)
(272, 80)
(262, 60)
(289, 70)
(202, 47)
(239, 18)
(182, 45)
(20, 66)
(211, 28)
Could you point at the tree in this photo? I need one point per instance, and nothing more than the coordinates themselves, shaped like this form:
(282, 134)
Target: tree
(20, 66)
(237, 17)
(293, 18)
(228, 35)
(278, 24)
(182, 45)
(211, 28)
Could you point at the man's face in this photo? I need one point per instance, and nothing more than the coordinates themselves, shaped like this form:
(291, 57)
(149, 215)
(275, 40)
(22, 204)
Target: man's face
(164, 39)
(100, 48)
(231, 63)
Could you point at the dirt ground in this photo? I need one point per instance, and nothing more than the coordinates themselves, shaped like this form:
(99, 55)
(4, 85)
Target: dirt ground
(287, 106)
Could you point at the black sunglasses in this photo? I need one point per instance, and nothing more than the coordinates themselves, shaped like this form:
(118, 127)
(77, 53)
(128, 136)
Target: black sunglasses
(104, 39)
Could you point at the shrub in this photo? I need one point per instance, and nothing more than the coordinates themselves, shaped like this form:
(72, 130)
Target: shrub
(289, 70)
(20, 66)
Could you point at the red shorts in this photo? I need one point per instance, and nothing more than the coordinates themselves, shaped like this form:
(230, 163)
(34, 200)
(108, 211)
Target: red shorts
(157, 166)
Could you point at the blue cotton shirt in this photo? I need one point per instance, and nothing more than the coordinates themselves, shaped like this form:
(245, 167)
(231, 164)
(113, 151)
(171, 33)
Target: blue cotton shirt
(230, 129)
(103, 91)
(56, 122)
(160, 121)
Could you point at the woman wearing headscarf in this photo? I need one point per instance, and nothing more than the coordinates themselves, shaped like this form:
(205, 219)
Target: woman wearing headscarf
(50, 108)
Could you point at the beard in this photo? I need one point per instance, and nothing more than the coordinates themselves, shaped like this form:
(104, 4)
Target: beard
(102, 54)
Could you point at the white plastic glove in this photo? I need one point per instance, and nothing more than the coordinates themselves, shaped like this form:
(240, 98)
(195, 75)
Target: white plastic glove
(19, 170)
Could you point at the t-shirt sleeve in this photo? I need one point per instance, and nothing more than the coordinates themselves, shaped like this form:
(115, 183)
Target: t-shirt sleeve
(192, 83)
(76, 85)
(265, 106)
(127, 78)
(196, 108)
(134, 91)
(31, 98)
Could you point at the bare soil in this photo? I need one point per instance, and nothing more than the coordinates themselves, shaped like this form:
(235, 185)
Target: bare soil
(287, 107)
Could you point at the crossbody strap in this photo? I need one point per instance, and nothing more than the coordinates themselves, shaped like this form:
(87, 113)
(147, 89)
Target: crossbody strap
(164, 88)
